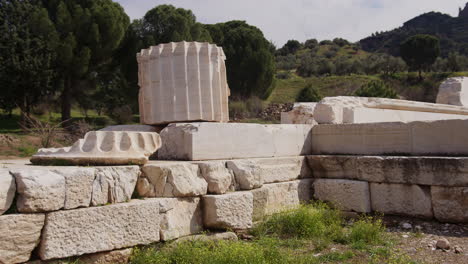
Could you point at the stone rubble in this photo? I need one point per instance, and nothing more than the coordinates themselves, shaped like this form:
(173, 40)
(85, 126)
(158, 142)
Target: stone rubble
(7, 190)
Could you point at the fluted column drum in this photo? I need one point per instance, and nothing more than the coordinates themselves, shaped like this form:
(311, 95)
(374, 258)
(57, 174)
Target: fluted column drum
(183, 81)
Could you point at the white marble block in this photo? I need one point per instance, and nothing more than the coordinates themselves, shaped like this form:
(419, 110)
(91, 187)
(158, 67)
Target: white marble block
(183, 81)
(302, 113)
(103, 148)
(453, 91)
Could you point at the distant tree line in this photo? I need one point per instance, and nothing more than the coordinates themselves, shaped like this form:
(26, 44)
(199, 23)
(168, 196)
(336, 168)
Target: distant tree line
(83, 52)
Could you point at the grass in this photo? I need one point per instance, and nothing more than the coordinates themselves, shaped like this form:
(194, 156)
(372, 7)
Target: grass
(301, 235)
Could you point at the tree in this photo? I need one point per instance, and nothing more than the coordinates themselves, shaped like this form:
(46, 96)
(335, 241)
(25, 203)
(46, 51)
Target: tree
(290, 47)
(250, 62)
(309, 94)
(27, 43)
(420, 52)
(311, 44)
(376, 89)
(89, 31)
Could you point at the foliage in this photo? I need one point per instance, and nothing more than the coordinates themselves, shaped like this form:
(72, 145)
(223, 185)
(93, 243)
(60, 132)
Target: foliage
(46, 131)
(249, 58)
(290, 47)
(420, 51)
(309, 94)
(287, 62)
(27, 43)
(376, 89)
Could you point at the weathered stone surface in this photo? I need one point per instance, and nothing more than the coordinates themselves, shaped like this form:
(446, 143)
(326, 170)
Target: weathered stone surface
(453, 91)
(220, 179)
(39, 190)
(443, 171)
(450, 203)
(208, 141)
(19, 235)
(180, 217)
(302, 113)
(353, 110)
(345, 194)
(228, 211)
(226, 236)
(276, 197)
(121, 256)
(171, 179)
(114, 184)
(400, 199)
(445, 137)
(183, 81)
(96, 229)
(133, 128)
(7, 190)
(247, 174)
(78, 185)
(103, 148)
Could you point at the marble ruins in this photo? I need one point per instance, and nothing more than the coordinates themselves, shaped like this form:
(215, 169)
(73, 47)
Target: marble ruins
(360, 154)
(454, 91)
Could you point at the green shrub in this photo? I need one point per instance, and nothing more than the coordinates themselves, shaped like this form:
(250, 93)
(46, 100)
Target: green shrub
(254, 106)
(309, 94)
(366, 231)
(376, 89)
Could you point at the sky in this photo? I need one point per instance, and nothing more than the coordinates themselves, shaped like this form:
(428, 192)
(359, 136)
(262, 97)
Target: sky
(282, 20)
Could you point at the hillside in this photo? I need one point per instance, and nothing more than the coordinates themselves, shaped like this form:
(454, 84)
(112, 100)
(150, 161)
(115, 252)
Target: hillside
(452, 32)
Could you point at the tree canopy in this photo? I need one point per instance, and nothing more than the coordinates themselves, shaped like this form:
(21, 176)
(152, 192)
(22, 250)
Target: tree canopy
(420, 51)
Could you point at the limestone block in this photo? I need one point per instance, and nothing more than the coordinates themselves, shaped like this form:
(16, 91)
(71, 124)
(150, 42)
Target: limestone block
(121, 256)
(103, 148)
(7, 190)
(223, 236)
(219, 178)
(171, 180)
(209, 141)
(183, 81)
(276, 197)
(228, 211)
(450, 203)
(133, 128)
(442, 171)
(19, 235)
(345, 194)
(401, 199)
(247, 174)
(302, 113)
(78, 185)
(453, 91)
(180, 217)
(114, 184)
(353, 110)
(39, 190)
(95, 229)
(444, 137)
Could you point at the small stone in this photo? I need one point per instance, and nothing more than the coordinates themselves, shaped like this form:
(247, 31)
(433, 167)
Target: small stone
(443, 244)
(407, 226)
(405, 236)
(418, 227)
(246, 237)
(458, 249)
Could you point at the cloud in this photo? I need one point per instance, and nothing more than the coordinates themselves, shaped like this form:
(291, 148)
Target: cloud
(281, 20)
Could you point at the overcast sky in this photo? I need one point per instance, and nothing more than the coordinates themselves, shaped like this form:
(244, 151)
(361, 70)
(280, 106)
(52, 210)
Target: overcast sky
(281, 20)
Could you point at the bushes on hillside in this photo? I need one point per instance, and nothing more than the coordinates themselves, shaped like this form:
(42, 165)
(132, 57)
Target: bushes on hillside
(376, 89)
(309, 94)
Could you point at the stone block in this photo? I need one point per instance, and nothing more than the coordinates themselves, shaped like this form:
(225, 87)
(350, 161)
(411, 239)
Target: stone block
(401, 199)
(103, 148)
(219, 178)
(223, 236)
(302, 113)
(450, 203)
(114, 184)
(180, 217)
(445, 137)
(78, 185)
(228, 211)
(7, 190)
(353, 110)
(441, 171)
(96, 229)
(183, 81)
(247, 174)
(39, 190)
(167, 179)
(277, 197)
(346, 195)
(19, 235)
(209, 141)
(453, 91)
(121, 256)
(133, 128)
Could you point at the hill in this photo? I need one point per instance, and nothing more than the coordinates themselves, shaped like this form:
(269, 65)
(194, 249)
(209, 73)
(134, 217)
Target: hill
(452, 32)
